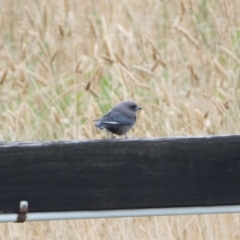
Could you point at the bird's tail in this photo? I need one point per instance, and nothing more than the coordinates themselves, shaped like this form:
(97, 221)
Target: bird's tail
(99, 124)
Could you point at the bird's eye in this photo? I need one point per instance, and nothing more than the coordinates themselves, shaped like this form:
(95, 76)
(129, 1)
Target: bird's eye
(133, 106)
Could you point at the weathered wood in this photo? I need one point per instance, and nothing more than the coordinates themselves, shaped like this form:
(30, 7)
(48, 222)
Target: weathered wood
(120, 174)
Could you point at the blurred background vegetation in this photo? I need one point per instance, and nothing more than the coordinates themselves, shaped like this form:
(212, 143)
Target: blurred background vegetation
(65, 63)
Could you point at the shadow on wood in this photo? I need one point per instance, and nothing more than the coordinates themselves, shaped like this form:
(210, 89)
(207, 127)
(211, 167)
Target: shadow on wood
(120, 174)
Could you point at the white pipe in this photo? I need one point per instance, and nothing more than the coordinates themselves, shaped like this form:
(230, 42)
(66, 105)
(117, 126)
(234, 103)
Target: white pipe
(12, 217)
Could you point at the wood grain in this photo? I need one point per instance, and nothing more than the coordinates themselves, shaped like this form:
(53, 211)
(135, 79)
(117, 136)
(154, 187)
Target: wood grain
(120, 174)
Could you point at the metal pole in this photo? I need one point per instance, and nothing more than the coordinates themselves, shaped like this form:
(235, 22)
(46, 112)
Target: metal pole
(121, 213)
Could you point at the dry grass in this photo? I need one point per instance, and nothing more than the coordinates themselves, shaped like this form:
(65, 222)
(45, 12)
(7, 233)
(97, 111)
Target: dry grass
(64, 63)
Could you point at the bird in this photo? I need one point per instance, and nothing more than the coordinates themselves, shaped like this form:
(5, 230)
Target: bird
(120, 119)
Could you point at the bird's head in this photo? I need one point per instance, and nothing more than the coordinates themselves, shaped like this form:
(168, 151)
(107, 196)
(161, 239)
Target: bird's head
(132, 106)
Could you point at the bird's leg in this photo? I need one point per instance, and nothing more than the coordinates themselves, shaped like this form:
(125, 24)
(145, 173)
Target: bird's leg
(126, 137)
(113, 137)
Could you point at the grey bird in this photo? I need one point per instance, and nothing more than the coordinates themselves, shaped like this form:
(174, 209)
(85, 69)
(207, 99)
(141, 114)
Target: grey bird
(120, 119)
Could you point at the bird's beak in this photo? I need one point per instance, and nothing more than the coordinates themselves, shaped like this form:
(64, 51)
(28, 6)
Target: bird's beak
(138, 108)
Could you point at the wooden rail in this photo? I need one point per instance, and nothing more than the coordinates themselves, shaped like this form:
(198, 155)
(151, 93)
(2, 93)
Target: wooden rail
(120, 174)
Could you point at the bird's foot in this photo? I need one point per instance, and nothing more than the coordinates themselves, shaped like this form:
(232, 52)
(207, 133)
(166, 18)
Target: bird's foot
(113, 137)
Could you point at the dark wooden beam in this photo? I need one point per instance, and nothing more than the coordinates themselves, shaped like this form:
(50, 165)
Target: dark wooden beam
(120, 174)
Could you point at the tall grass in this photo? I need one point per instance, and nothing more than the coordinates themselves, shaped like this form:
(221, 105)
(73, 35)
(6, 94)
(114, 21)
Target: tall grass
(65, 63)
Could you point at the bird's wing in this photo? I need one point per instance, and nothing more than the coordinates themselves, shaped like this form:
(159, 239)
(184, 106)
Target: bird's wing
(118, 118)
(114, 118)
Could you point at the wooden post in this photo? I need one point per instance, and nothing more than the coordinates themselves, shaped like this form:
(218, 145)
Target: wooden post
(120, 174)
